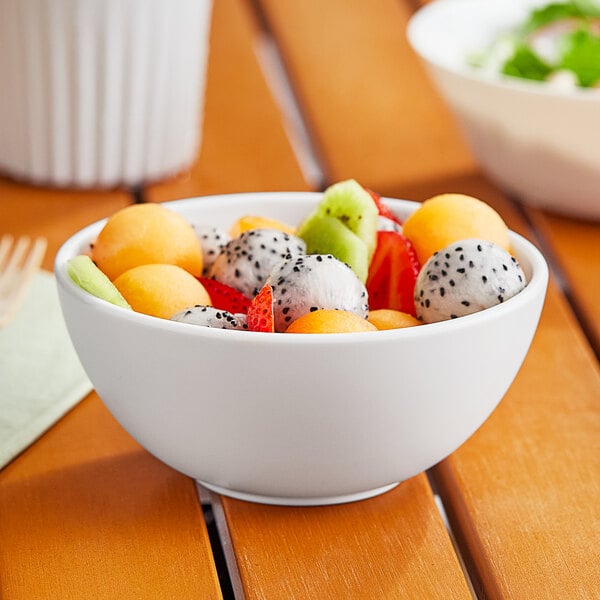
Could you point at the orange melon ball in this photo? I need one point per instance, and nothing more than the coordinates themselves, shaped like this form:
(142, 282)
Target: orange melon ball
(248, 222)
(144, 234)
(387, 318)
(330, 321)
(448, 218)
(161, 290)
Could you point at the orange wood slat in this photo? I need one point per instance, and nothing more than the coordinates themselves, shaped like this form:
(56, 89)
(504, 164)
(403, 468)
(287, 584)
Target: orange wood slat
(576, 247)
(391, 546)
(245, 146)
(371, 111)
(86, 513)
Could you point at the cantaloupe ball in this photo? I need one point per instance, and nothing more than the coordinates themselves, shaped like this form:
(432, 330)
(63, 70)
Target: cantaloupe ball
(161, 290)
(387, 318)
(248, 222)
(330, 321)
(144, 234)
(448, 218)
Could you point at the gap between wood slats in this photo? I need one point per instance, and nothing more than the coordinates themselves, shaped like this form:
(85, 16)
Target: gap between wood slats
(469, 573)
(219, 524)
(225, 564)
(560, 276)
(273, 67)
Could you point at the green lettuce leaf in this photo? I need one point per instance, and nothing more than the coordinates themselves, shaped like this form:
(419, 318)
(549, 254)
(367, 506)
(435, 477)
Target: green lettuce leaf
(581, 9)
(526, 64)
(580, 53)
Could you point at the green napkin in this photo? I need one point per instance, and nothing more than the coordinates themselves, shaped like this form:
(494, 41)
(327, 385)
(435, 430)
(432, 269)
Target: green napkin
(41, 377)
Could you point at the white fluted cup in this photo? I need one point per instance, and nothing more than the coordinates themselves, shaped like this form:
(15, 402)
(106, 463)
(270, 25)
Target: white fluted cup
(99, 93)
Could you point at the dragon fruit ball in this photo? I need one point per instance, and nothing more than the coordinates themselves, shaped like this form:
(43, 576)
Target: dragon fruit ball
(209, 316)
(212, 241)
(312, 282)
(465, 277)
(246, 261)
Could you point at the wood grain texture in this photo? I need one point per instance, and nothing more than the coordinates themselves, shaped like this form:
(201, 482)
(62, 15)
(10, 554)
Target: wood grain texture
(575, 245)
(391, 546)
(86, 513)
(372, 112)
(245, 145)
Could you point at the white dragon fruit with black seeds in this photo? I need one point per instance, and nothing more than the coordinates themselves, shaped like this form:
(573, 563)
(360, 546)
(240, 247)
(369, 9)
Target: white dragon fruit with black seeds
(246, 261)
(209, 316)
(212, 240)
(464, 278)
(315, 281)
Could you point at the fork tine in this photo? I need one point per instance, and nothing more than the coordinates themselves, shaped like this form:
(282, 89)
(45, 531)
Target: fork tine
(16, 272)
(6, 243)
(15, 258)
(36, 255)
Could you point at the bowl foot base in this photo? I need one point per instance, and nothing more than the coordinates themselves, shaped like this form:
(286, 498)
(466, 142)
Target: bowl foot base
(297, 501)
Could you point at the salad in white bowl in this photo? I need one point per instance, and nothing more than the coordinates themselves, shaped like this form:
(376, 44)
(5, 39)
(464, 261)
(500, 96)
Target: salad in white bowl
(521, 77)
(558, 43)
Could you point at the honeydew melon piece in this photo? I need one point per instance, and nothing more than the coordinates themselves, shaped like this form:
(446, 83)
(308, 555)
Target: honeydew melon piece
(328, 235)
(351, 204)
(88, 276)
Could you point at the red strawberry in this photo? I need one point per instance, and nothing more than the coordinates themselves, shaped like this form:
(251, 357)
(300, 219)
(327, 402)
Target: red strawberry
(384, 211)
(260, 312)
(224, 296)
(393, 273)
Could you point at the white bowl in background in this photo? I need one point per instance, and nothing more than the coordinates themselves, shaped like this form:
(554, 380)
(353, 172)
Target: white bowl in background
(537, 142)
(298, 419)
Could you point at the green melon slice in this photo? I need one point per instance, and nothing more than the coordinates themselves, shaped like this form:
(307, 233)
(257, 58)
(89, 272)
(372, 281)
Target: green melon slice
(328, 235)
(89, 277)
(351, 204)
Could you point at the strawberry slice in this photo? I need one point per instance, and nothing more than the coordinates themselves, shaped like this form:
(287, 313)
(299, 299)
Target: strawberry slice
(384, 211)
(260, 311)
(224, 296)
(393, 273)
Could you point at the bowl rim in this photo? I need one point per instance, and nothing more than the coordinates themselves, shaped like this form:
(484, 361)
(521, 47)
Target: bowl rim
(418, 42)
(535, 287)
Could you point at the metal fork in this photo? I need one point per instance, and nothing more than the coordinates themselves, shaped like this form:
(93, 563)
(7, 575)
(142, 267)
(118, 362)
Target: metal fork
(19, 261)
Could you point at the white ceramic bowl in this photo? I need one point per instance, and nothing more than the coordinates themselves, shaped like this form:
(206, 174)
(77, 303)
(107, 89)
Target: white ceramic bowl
(298, 419)
(536, 142)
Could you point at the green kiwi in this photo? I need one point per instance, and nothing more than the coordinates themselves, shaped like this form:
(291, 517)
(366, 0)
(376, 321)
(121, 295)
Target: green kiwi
(328, 235)
(351, 204)
(89, 277)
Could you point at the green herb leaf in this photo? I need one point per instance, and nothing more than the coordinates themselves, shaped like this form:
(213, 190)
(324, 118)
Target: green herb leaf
(580, 53)
(581, 9)
(526, 64)
(550, 13)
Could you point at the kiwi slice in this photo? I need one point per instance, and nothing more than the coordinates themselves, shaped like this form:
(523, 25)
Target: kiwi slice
(351, 204)
(328, 235)
(89, 277)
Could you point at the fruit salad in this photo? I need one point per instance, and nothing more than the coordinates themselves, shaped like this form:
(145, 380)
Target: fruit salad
(351, 265)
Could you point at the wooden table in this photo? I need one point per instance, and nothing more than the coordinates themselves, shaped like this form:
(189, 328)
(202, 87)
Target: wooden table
(302, 94)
